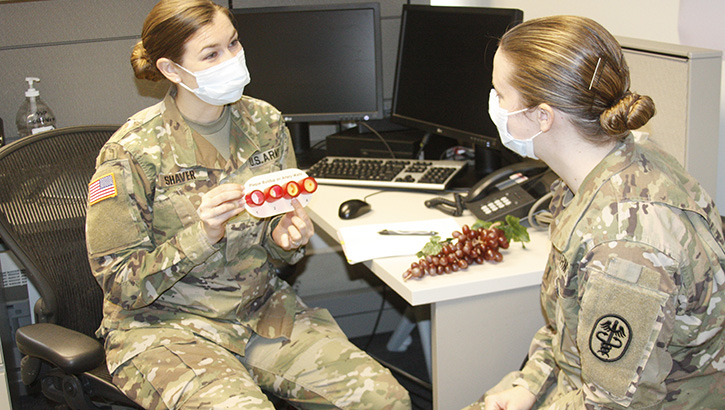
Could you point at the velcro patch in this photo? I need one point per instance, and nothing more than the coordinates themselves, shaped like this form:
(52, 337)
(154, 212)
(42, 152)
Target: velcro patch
(101, 188)
(620, 323)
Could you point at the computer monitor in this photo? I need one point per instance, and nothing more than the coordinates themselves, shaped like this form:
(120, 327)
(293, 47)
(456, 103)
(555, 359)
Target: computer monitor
(443, 75)
(317, 63)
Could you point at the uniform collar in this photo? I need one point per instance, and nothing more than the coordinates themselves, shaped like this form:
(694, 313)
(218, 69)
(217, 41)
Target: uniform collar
(569, 215)
(190, 149)
(632, 172)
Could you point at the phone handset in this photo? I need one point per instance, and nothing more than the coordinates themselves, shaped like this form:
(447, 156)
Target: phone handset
(494, 195)
(502, 178)
(511, 190)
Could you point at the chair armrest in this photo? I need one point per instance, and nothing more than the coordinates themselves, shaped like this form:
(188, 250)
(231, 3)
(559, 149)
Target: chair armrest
(71, 351)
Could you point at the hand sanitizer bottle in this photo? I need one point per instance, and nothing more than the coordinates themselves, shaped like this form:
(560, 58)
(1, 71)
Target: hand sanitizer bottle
(34, 115)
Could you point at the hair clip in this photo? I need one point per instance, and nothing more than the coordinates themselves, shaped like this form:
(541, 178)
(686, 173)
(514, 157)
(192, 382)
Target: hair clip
(591, 83)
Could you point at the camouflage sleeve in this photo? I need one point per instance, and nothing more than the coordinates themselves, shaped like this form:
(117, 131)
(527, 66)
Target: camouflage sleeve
(133, 270)
(288, 161)
(539, 373)
(625, 323)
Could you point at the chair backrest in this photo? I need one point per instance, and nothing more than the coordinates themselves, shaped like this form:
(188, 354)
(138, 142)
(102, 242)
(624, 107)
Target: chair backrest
(43, 191)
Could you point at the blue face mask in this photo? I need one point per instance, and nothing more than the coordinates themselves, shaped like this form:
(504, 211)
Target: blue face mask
(525, 148)
(223, 83)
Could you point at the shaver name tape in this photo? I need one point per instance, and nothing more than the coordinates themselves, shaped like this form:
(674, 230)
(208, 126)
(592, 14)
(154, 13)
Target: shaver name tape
(271, 194)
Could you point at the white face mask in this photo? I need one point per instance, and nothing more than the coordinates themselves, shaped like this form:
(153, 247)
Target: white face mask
(525, 148)
(223, 83)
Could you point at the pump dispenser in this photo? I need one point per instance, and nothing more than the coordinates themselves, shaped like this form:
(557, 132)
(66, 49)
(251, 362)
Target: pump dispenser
(34, 115)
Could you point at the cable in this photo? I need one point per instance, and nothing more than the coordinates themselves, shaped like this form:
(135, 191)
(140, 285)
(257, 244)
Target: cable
(538, 219)
(392, 154)
(422, 383)
(377, 320)
(421, 148)
(319, 144)
(374, 193)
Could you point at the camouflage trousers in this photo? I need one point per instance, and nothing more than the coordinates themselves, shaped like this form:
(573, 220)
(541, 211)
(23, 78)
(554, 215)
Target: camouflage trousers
(318, 368)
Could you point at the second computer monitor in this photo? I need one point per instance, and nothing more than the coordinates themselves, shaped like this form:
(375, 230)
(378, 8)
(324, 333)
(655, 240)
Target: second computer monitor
(443, 71)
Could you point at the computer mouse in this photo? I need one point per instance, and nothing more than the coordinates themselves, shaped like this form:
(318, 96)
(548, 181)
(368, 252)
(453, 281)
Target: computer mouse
(353, 208)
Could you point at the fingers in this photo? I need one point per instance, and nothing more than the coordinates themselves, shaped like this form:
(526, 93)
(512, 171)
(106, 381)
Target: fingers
(301, 221)
(225, 193)
(295, 229)
(219, 205)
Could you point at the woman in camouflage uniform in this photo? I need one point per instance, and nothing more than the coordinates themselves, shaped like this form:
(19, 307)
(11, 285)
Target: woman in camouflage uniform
(633, 294)
(194, 315)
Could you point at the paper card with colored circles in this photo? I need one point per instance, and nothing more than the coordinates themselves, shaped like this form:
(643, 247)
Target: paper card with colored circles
(271, 194)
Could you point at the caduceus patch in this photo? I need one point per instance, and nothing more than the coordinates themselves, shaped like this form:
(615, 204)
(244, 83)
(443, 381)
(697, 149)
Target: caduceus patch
(610, 338)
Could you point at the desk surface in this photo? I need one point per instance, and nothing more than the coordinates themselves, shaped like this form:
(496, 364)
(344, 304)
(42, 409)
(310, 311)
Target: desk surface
(521, 267)
(482, 318)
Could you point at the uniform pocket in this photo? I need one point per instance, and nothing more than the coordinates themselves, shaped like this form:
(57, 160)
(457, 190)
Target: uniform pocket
(175, 205)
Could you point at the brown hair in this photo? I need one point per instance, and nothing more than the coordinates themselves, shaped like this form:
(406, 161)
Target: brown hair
(166, 30)
(576, 66)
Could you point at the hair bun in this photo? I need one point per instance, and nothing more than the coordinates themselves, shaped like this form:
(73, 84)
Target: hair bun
(143, 67)
(631, 112)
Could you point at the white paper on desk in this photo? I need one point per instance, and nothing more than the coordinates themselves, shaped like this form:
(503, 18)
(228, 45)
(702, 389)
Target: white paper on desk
(361, 243)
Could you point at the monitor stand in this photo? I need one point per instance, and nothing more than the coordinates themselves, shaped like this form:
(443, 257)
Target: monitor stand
(300, 134)
(486, 161)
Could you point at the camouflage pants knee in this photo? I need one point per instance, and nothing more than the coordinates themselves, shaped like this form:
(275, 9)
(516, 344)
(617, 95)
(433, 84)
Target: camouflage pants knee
(318, 368)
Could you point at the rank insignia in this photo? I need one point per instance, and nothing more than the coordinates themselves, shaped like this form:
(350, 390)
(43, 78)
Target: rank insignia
(610, 338)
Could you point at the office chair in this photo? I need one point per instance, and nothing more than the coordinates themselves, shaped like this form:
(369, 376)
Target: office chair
(43, 190)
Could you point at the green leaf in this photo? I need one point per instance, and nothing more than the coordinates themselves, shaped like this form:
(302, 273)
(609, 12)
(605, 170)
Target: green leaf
(515, 231)
(432, 247)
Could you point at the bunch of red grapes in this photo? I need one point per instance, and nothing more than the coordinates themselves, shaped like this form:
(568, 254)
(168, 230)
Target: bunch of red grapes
(468, 246)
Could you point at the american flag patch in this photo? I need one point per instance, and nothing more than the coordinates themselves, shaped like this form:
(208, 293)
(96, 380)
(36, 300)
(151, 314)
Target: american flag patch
(102, 188)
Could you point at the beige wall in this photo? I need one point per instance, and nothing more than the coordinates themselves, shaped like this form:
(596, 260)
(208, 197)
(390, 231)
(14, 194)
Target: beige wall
(80, 50)
(695, 23)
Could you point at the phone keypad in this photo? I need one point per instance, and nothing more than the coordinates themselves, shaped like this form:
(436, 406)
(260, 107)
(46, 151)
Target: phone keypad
(499, 203)
(510, 201)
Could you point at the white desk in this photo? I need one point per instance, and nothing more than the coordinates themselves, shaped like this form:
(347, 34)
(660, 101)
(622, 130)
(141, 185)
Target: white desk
(482, 318)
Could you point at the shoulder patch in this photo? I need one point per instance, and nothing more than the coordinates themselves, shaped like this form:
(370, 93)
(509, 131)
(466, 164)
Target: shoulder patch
(610, 338)
(101, 188)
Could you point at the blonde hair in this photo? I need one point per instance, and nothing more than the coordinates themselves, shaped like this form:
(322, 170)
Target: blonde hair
(166, 30)
(576, 66)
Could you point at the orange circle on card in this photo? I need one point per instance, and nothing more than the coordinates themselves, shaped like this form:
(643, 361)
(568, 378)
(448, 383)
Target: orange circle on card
(292, 189)
(309, 185)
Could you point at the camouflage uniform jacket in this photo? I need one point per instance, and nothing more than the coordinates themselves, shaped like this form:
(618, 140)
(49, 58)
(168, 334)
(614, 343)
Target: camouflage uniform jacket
(634, 291)
(146, 243)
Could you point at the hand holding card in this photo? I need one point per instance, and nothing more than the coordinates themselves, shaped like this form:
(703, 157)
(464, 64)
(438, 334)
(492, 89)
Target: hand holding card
(270, 194)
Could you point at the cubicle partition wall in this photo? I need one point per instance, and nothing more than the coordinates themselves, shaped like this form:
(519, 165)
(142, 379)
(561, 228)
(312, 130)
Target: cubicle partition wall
(684, 83)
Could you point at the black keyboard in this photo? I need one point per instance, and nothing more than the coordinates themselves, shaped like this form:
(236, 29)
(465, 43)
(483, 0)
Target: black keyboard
(385, 172)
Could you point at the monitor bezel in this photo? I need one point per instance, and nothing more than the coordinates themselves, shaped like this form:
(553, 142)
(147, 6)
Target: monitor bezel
(310, 117)
(485, 141)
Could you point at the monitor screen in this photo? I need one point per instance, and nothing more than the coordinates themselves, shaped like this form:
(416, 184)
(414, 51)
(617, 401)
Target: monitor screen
(315, 63)
(443, 71)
